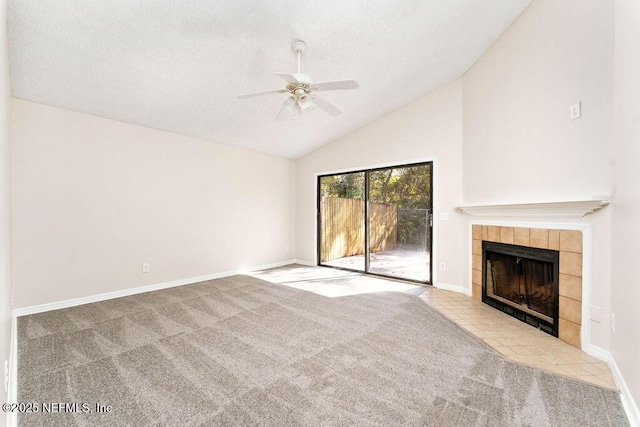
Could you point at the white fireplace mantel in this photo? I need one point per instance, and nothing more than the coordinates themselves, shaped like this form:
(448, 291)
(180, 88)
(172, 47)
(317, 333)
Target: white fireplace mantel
(572, 208)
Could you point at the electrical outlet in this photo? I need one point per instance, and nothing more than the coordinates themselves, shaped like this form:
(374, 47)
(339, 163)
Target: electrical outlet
(443, 265)
(574, 111)
(146, 267)
(6, 376)
(613, 323)
(444, 216)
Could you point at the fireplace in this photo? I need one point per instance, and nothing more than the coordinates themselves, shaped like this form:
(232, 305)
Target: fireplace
(522, 282)
(569, 244)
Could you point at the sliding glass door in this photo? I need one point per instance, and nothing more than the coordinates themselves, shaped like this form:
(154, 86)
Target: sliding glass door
(377, 221)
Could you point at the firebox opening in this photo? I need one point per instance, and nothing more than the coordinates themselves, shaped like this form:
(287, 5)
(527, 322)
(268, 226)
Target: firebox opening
(522, 282)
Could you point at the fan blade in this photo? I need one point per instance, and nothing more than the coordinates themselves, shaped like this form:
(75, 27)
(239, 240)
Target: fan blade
(326, 106)
(287, 109)
(289, 78)
(337, 85)
(251, 95)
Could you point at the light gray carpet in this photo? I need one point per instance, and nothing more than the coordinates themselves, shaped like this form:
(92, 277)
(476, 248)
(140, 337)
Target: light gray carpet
(242, 351)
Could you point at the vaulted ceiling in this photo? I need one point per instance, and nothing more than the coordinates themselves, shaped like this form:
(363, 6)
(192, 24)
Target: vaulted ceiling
(179, 66)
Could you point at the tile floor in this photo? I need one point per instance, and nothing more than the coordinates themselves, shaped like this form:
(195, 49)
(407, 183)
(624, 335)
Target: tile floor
(517, 340)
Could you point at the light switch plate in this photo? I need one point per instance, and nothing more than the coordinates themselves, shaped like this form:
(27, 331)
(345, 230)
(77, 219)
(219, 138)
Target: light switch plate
(575, 111)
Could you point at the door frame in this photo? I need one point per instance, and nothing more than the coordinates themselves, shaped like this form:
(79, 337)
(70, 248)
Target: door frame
(366, 171)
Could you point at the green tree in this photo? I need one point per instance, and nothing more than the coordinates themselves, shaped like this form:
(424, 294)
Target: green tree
(348, 186)
(407, 187)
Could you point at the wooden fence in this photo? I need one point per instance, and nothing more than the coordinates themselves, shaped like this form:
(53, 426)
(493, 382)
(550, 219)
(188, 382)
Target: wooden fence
(342, 227)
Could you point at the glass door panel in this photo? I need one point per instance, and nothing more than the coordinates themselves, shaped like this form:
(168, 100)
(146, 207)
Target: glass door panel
(399, 222)
(342, 221)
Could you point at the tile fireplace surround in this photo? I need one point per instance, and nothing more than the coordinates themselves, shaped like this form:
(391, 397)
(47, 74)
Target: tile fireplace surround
(567, 242)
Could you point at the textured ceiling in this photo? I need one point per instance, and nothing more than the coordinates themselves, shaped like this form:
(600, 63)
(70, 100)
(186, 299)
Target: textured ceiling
(178, 66)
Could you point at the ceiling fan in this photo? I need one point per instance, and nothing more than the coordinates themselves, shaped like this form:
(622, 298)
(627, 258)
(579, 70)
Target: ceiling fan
(302, 90)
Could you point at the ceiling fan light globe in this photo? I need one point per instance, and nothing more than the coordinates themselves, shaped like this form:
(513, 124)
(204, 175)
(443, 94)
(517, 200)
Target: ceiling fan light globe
(306, 103)
(290, 103)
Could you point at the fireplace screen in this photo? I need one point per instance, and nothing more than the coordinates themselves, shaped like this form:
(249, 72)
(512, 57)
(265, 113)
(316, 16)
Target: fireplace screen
(523, 282)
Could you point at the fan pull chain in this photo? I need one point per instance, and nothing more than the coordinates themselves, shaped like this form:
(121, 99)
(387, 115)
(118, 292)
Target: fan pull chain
(299, 53)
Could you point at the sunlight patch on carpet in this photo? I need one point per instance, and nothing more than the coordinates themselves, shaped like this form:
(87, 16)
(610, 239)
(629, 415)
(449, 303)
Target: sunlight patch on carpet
(333, 283)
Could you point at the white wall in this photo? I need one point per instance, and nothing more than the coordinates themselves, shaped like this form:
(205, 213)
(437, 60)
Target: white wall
(93, 199)
(625, 288)
(5, 206)
(427, 128)
(518, 142)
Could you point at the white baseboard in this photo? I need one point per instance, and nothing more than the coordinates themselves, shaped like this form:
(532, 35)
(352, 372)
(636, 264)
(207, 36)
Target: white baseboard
(132, 291)
(454, 288)
(303, 262)
(260, 267)
(598, 353)
(628, 403)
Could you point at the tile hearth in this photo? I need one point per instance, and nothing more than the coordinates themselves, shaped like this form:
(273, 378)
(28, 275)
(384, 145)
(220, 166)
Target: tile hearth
(517, 340)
